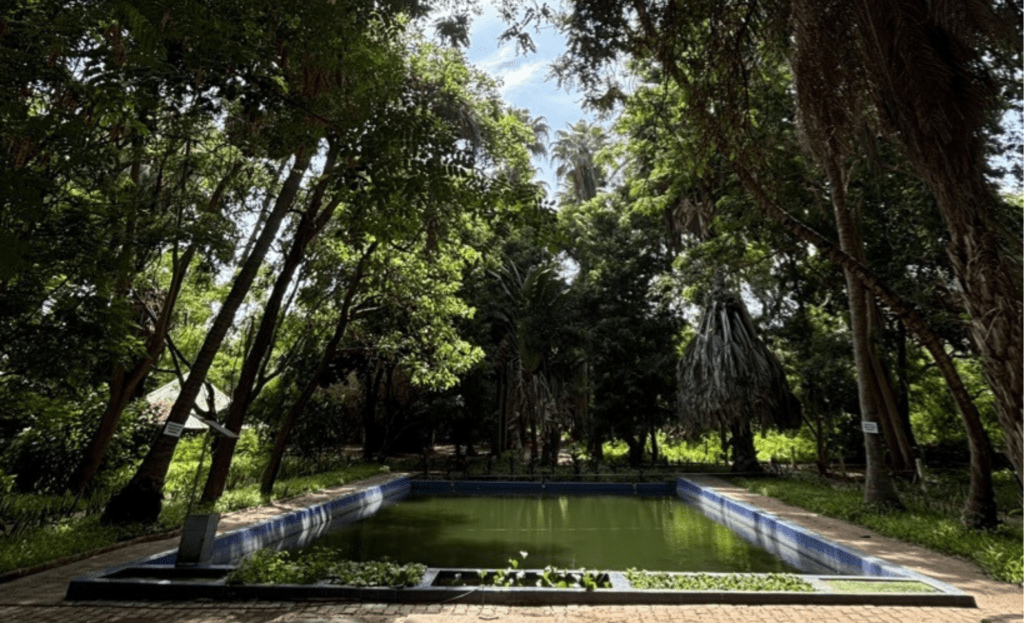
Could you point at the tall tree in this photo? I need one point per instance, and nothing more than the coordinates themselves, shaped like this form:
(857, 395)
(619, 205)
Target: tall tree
(716, 53)
(918, 69)
(921, 73)
(303, 95)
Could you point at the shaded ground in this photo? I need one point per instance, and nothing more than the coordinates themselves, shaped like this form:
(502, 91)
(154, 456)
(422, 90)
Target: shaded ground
(40, 597)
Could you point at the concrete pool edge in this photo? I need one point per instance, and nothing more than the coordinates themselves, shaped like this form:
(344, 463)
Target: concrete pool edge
(100, 585)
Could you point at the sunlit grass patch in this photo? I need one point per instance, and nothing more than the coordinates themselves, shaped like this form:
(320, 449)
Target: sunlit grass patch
(875, 586)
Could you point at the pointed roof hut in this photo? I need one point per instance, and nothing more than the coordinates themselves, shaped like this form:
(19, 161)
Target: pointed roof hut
(163, 399)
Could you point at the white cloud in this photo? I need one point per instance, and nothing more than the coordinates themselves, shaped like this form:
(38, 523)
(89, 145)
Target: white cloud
(523, 74)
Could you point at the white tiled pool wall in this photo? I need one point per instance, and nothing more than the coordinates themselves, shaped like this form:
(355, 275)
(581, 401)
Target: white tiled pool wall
(785, 539)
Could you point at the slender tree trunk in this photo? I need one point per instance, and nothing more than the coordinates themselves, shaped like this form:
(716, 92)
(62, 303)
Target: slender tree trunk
(878, 489)
(281, 439)
(636, 449)
(140, 501)
(371, 428)
(125, 383)
(896, 435)
(311, 224)
(498, 439)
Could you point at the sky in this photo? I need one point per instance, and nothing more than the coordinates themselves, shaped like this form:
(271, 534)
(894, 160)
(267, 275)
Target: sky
(525, 78)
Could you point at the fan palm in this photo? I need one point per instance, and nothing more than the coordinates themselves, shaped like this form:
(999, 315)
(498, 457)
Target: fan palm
(540, 128)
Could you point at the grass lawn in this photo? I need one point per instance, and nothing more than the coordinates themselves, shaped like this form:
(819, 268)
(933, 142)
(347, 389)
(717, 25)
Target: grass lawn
(82, 532)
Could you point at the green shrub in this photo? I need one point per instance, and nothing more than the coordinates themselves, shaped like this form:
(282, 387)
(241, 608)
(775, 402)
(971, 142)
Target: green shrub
(708, 448)
(307, 567)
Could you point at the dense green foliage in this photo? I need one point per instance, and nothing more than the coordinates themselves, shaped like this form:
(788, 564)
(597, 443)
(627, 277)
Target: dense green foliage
(333, 218)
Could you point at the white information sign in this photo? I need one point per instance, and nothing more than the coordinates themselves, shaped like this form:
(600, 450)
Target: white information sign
(173, 430)
(869, 427)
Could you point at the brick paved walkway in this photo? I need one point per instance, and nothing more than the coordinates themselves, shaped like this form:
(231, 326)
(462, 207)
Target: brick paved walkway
(39, 598)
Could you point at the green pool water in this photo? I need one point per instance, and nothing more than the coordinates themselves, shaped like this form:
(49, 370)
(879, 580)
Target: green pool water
(595, 532)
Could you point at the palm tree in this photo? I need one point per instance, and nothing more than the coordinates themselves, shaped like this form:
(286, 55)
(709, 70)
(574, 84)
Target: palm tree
(727, 378)
(540, 128)
(537, 395)
(576, 151)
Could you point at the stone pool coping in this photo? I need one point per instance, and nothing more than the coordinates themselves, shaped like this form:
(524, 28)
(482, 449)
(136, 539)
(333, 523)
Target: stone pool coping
(305, 524)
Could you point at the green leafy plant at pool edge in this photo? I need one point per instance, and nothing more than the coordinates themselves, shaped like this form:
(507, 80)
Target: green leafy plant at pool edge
(549, 577)
(646, 580)
(272, 567)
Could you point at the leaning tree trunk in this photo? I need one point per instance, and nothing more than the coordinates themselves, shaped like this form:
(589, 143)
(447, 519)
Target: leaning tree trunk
(123, 385)
(125, 381)
(344, 316)
(281, 438)
(927, 89)
(311, 223)
(140, 501)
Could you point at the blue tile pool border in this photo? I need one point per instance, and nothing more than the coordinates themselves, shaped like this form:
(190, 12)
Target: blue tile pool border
(303, 525)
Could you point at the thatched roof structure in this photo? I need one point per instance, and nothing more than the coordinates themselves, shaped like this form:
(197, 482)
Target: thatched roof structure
(163, 399)
(728, 376)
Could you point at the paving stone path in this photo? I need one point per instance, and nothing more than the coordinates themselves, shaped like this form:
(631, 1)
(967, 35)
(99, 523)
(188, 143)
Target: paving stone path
(39, 598)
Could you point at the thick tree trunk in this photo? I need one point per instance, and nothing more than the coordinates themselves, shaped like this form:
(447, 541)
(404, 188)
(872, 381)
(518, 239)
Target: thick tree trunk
(991, 293)
(878, 488)
(140, 501)
(943, 137)
(311, 224)
(744, 454)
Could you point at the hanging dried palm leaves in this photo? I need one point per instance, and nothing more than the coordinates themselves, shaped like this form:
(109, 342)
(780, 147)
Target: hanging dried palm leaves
(728, 377)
